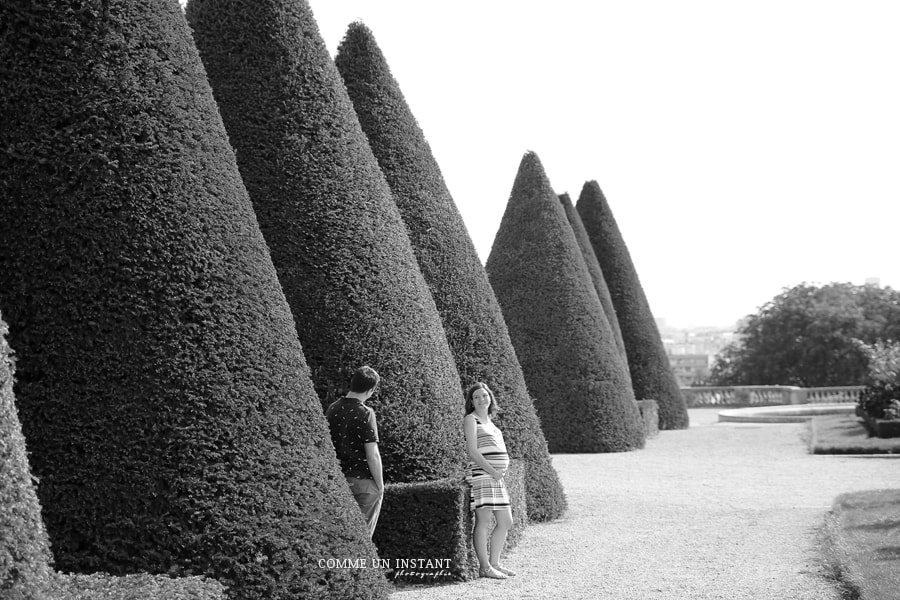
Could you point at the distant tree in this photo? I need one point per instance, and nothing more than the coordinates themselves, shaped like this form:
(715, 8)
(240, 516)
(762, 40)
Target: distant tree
(24, 547)
(337, 239)
(651, 373)
(162, 388)
(562, 338)
(807, 336)
(593, 265)
(471, 316)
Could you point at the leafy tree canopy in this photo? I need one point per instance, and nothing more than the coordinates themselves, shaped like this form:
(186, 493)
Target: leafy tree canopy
(809, 336)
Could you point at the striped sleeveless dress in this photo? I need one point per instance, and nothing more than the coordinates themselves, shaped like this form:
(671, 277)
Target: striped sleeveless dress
(485, 491)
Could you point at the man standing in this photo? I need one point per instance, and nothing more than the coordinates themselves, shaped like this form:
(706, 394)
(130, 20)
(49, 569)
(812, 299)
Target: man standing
(354, 434)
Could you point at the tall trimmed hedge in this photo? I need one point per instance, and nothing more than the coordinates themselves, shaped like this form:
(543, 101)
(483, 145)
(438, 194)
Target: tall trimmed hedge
(590, 259)
(24, 547)
(337, 239)
(472, 319)
(163, 391)
(651, 373)
(25, 559)
(562, 338)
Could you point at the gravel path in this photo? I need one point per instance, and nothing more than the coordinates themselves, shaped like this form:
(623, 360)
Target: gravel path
(719, 510)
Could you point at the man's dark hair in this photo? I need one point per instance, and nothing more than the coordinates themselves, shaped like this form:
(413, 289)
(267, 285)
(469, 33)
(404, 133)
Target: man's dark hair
(364, 379)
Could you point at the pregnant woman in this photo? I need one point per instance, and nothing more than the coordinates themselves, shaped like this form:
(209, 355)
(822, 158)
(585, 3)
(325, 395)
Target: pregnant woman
(487, 467)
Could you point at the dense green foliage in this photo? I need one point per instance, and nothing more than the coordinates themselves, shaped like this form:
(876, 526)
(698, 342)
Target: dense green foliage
(593, 265)
(162, 388)
(881, 397)
(101, 586)
(426, 519)
(337, 239)
(24, 547)
(809, 336)
(472, 319)
(562, 338)
(651, 373)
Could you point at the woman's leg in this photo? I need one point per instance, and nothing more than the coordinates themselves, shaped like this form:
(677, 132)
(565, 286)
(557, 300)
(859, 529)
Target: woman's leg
(479, 536)
(498, 537)
(483, 518)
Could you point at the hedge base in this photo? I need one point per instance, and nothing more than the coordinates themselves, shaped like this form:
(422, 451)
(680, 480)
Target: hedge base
(650, 416)
(424, 533)
(100, 586)
(883, 428)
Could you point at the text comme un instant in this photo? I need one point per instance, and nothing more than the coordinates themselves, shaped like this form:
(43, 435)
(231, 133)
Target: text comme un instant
(384, 563)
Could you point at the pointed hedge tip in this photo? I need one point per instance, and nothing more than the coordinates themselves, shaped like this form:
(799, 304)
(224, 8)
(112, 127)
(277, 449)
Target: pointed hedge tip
(530, 157)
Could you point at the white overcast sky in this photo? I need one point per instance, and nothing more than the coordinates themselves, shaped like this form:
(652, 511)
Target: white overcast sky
(743, 147)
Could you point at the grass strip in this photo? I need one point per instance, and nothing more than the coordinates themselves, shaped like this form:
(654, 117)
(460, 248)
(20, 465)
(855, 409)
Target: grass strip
(863, 543)
(845, 434)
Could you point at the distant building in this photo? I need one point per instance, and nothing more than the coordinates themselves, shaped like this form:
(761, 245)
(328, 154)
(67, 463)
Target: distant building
(873, 281)
(692, 352)
(690, 369)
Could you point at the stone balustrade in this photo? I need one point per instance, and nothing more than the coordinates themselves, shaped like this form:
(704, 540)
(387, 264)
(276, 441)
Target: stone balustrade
(767, 395)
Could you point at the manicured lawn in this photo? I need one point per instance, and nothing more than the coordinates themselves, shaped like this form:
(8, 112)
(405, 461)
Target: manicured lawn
(864, 543)
(845, 434)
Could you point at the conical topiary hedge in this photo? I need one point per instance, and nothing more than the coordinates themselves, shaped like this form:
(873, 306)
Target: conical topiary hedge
(651, 374)
(24, 547)
(162, 388)
(337, 239)
(590, 259)
(561, 336)
(25, 560)
(471, 316)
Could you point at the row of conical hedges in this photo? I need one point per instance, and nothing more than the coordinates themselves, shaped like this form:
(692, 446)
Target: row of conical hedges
(562, 337)
(163, 391)
(336, 236)
(597, 277)
(165, 394)
(471, 317)
(651, 374)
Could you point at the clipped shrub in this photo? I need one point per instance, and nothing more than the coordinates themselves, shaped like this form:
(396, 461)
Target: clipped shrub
(561, 336)
(24, 548)
(881, 400)
(101, 586)
(426, 520)
(337, 239)
(651, 373)
(162, 388)
(413, 526)
(445, 253)
(881, 397)
(590, 259)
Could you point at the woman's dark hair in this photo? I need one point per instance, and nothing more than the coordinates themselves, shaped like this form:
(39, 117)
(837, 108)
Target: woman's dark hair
(364, 379)
(470, 407)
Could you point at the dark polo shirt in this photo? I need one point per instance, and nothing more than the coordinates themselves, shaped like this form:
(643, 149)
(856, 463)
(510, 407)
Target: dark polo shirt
(352, 426)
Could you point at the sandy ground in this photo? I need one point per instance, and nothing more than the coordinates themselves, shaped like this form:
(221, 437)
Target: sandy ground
(720, 510)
